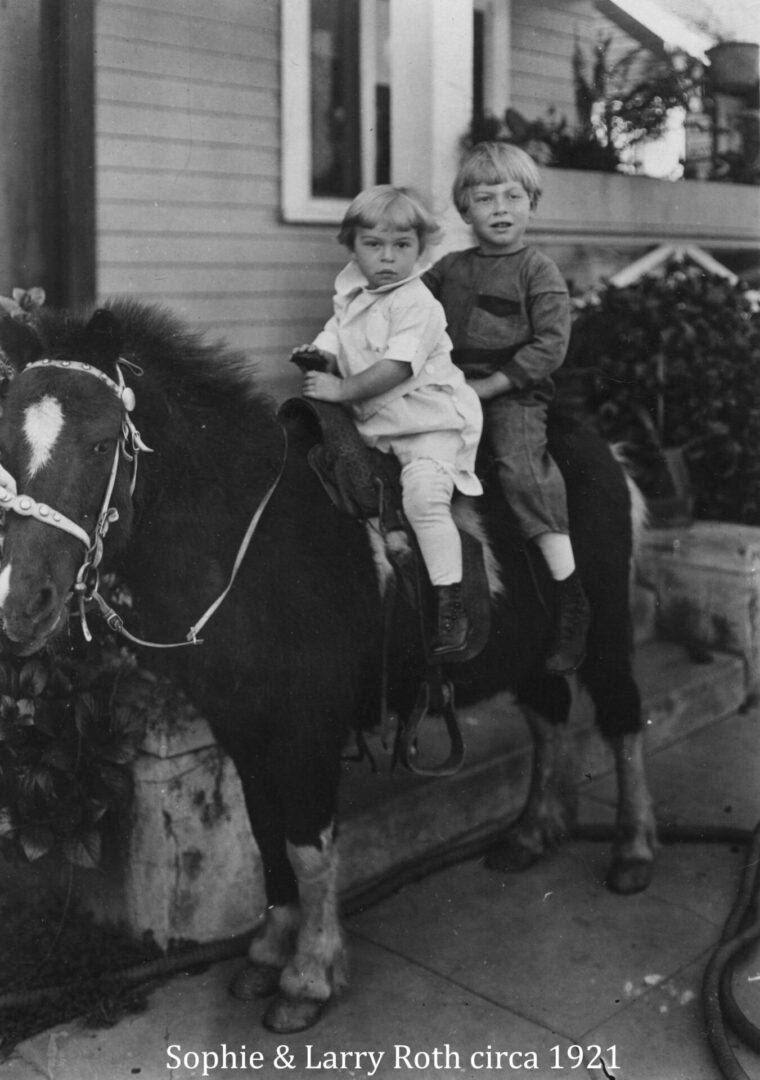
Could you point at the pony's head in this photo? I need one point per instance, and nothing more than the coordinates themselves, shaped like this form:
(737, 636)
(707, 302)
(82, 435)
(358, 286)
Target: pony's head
(65, 472)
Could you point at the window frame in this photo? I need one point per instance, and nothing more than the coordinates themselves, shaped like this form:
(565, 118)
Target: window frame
(497, 53)
(298, 204)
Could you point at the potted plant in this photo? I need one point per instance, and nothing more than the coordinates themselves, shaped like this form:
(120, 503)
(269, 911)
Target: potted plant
(734, 67)
(619, 103)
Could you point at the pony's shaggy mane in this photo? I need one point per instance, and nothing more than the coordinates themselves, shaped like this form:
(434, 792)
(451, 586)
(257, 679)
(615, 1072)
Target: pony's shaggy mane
(152, 336)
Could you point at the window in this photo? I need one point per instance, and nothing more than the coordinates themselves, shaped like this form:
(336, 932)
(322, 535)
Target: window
(336, 103)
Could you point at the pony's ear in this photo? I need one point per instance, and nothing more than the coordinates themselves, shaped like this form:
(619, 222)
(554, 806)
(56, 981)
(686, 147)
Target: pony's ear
(104, 333)
(19, 346)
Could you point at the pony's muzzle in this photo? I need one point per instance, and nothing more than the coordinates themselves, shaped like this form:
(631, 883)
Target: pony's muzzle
(30, 615)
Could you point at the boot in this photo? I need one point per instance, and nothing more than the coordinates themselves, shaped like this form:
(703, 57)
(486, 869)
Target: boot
(453, 623)
(567, 648)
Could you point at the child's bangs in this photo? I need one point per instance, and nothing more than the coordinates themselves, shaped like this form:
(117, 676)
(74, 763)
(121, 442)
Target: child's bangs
(392, 211)
(496, 170)
(384, 206)
(496, 163)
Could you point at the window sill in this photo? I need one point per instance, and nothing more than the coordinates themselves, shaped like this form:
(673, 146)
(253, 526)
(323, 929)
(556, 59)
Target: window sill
(314, 211)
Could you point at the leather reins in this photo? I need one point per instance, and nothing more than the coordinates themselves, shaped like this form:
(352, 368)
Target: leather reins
(129, 445)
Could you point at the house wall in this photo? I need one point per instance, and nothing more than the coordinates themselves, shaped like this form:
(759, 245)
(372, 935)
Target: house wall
(187, 160)
(188, 164)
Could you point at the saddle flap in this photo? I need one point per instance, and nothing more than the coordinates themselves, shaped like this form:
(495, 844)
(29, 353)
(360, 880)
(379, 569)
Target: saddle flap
(362, 482)
(476, 595)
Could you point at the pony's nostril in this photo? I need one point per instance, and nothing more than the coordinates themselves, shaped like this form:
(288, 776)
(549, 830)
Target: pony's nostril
(43, 603)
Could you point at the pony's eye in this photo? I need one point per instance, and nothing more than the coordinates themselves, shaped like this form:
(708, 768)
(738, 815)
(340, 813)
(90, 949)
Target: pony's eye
(101, 447)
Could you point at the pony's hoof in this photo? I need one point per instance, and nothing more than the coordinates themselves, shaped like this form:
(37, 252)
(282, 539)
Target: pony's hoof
(511, 856)
(627, 876)
(255, 981)
(285, 1015)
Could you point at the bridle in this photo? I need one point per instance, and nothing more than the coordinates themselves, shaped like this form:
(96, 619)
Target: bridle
(129, 445)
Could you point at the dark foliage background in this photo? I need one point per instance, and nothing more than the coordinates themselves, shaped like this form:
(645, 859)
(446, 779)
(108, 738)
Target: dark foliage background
(674, 361)
(64, 750)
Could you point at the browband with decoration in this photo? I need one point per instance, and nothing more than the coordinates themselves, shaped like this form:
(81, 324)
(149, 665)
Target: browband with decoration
(125, 393)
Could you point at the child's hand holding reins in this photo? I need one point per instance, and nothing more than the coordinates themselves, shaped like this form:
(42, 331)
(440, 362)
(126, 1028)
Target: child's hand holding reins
(317, 365)
(323, 386)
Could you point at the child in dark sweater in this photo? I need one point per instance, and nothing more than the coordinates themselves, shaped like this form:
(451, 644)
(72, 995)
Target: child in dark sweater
(508, 315)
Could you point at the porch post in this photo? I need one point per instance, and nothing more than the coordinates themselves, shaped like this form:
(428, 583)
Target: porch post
(25, 138)
(46, 133)
(431, 93)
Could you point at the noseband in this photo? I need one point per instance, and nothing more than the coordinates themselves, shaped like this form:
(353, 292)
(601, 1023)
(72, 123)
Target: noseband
(129, 445)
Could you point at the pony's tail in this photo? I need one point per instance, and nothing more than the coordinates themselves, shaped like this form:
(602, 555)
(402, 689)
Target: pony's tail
(640, 515)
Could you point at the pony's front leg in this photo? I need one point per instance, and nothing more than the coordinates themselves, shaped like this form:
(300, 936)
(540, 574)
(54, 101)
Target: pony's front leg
(272, 945)
(317, 969)
(636, 831)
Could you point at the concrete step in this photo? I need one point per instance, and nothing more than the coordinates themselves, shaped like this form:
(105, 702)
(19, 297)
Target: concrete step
(391, 820)
(184, 865)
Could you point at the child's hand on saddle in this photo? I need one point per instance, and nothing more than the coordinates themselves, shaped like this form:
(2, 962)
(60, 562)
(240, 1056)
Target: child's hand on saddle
(322, 386)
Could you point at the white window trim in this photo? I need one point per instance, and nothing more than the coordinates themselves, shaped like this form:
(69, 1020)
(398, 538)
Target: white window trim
(498, 53)
(298, 203)
(430, 92)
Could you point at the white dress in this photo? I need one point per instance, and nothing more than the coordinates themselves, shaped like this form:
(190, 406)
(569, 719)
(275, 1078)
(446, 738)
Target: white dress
(433, 413)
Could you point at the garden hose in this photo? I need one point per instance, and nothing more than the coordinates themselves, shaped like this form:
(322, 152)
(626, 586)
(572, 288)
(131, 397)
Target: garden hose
(741, 929)
(213, 952)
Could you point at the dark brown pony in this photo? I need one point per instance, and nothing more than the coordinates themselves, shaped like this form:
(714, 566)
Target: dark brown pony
(291, 660)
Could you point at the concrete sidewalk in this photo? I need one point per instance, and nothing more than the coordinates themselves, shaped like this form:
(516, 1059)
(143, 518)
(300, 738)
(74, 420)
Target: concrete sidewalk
(469, 974)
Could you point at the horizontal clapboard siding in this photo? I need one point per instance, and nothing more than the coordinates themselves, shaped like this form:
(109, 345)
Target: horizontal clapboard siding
(188, 176)
(188, 162)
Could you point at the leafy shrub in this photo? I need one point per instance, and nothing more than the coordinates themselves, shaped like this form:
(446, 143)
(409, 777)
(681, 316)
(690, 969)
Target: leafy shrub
(64, 747)
(674, 361)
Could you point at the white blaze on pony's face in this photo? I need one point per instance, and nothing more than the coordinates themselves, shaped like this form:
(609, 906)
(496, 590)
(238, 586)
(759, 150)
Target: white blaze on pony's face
(43, 422)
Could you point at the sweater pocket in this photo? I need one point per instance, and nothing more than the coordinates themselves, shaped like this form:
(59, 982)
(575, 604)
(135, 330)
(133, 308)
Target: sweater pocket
(497, 322)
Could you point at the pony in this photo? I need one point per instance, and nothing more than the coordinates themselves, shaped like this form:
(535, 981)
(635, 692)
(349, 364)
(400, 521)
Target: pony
(288, 656)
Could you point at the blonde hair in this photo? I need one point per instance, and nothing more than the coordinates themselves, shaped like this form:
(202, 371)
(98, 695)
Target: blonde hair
(496, 163)
(400, 207)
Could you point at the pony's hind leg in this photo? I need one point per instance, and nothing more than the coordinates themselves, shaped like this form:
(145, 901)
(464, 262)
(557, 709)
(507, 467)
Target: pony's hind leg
(548, 816)
(618, 716)
(636, 831)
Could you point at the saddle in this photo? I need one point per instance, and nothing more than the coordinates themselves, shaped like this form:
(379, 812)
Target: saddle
(366, 484)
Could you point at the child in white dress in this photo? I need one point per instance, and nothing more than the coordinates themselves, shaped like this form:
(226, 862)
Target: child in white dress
(389, 360)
